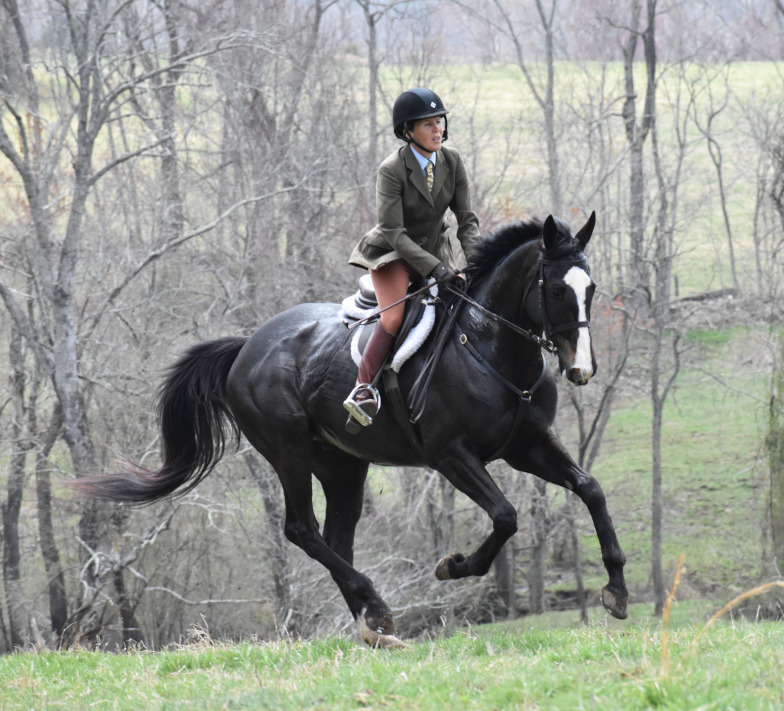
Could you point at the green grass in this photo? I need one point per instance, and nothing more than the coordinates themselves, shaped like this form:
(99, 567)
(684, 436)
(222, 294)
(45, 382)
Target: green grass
(547, 662)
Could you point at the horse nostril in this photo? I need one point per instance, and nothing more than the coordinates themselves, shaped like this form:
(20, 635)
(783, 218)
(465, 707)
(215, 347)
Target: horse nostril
(579, 376)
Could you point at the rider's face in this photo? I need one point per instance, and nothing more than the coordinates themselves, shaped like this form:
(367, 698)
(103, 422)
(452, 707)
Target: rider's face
(428, 133)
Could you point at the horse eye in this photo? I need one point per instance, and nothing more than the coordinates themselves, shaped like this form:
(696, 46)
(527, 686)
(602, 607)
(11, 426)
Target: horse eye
(558, 292)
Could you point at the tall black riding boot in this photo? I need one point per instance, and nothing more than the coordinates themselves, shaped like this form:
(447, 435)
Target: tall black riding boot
(364, 401)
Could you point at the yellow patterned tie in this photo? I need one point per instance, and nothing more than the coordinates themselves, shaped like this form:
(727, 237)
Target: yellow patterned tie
(429, 175)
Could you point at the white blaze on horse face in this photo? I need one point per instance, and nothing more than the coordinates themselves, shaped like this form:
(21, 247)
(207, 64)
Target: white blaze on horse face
(579, 280)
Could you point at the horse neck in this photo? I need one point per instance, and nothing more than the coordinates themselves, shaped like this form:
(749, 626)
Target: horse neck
(510, 291)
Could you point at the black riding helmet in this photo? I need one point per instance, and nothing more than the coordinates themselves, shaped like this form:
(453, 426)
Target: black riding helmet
(413, 105)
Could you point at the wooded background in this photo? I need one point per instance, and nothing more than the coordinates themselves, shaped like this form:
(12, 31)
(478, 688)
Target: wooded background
(176, 171)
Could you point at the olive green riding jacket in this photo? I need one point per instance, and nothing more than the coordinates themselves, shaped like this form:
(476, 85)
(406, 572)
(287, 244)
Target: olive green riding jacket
(411, 219)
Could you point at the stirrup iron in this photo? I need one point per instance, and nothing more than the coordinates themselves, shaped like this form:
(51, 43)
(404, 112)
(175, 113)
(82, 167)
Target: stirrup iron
(355, 408)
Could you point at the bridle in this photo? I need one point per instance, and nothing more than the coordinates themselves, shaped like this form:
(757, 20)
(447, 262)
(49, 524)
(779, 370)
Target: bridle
(418, 393)
(549, 329)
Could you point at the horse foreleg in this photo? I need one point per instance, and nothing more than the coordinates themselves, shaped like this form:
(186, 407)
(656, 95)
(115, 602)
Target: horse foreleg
(467, 474)
(550, 461)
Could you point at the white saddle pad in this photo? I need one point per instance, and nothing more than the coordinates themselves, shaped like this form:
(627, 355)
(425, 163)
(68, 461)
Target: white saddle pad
(415, 338)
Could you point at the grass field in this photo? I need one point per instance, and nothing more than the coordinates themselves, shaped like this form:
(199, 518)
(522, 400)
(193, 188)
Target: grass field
(547, 662)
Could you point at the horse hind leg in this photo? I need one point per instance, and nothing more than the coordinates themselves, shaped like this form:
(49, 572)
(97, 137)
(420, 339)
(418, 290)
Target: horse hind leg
(294, 464)
(342, 477)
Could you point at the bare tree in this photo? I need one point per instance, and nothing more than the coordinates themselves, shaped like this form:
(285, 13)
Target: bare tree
(707, 127)
(12, 506)
(775, 437)
(664, 332)
(502, 18)
(55, 576)
(88, 91)
(774, 444)
(373, 13)
(53, 261)
(638, 129)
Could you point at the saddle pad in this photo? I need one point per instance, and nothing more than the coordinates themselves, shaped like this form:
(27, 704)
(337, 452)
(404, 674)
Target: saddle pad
(414, 340)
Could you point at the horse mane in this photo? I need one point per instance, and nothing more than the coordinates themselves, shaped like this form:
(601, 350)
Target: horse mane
(493, 249)
(490, 251)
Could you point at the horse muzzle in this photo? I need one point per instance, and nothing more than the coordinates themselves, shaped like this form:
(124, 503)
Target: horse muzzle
(576, 357)
(578, 366)
(579, 376)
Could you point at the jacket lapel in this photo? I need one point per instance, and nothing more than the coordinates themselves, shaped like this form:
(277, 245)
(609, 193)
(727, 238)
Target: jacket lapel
(417, 176)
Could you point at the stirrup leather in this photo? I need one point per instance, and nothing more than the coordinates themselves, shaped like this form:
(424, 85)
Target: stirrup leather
(355, 408)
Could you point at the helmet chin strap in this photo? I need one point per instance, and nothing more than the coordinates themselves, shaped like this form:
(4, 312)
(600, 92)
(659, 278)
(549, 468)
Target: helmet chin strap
(417, 144)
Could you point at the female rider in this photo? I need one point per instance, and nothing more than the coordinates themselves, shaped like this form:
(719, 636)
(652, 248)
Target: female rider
(415, 186)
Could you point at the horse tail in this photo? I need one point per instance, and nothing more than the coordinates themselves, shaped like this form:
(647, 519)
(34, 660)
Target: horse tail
(195, 422)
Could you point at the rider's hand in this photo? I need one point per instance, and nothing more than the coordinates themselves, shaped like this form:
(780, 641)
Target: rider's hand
(443, 274)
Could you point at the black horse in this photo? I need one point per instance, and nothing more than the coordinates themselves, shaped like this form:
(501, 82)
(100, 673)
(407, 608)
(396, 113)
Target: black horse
(490, 397)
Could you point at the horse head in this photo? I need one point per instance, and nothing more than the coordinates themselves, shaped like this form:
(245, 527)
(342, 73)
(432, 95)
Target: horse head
(565, 292)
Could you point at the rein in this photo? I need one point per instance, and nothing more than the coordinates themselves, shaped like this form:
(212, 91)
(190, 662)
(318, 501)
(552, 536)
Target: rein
(524, 396)
(545, 343)
(418, 394)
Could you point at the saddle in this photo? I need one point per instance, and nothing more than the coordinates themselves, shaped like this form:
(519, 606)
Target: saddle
(418, 320)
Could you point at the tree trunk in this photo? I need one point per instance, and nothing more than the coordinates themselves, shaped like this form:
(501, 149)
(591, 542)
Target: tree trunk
(550, 128)
(775, 448)
(373, 68)
(636, 133)
(58, 600)
(539, 528)
(578, 561)
(277, 550)
(657, 506)
(504, 566)
(13, 503)
(441, 510)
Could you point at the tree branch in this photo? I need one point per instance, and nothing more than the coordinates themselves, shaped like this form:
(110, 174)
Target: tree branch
(208, 601)
(177, 242)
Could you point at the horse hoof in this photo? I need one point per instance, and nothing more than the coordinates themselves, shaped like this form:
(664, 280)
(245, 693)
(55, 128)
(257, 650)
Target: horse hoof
(615, 604)
(442, 569)
(378, 638)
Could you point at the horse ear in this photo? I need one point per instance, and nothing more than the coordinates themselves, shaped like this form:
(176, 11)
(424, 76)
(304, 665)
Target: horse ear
(550, 233)
(584, 235)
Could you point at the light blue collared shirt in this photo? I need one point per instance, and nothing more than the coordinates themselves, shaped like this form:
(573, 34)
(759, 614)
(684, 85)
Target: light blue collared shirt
(421, 159)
